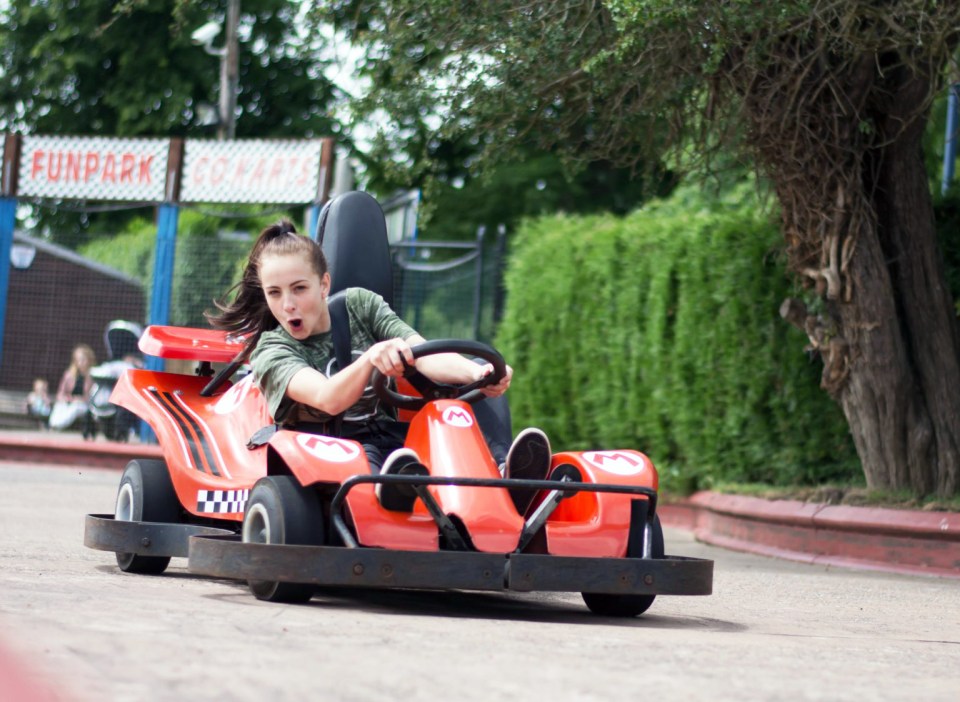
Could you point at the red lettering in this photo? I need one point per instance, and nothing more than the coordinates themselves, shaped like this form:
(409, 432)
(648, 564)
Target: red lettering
(73, 167)
(91, 165)
(36, 165)
(53, 171)
(239, 173)
(144, 176)
(127, 162)
(109, 169)
(199, 170)
(277, 171)
(304, 176)
(258, 172)
(218, 171)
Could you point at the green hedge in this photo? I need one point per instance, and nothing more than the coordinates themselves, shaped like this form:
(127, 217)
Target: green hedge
(207, 263)
(661, 332)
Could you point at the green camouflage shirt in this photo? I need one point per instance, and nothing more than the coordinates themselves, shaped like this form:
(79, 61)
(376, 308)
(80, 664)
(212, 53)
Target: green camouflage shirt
(278, 357)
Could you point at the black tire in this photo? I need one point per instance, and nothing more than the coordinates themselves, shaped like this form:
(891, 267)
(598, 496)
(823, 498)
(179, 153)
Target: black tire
(281, 511)
(146, 494)
(627, 605)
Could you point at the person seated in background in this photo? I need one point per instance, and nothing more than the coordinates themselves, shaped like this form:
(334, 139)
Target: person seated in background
(38, 402)
(73, 394)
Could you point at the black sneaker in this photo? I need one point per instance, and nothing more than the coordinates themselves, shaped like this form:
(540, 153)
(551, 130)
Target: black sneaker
(528, 459)
(395, 496)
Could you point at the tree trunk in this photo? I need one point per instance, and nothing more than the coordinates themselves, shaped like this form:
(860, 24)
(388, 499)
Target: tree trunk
(902, 394)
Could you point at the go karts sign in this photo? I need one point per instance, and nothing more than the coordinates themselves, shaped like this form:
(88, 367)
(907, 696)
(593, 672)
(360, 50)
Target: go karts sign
(168, 170)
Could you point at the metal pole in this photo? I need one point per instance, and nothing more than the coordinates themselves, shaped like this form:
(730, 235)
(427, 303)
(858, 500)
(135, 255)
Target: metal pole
(950, 143)
(8, 222)
(478, 286)
(229, 73)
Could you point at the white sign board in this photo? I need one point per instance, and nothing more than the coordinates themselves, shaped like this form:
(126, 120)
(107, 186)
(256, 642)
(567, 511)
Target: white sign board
(255, 170)
(93, 168)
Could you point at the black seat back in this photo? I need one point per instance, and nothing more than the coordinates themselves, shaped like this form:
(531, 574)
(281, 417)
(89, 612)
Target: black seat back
(353, 233)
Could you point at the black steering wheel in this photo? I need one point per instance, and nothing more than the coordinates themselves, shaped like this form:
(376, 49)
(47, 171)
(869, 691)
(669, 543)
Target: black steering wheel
(432, 390)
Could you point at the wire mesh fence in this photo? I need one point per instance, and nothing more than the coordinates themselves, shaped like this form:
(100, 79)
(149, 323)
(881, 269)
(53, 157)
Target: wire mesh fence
(58, 298)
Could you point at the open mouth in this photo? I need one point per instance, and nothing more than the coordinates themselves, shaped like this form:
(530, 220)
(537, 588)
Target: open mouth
(295, 324)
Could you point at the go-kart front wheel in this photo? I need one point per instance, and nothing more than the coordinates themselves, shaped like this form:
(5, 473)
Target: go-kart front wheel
(281, 511)
(607, 605)
(146, 494)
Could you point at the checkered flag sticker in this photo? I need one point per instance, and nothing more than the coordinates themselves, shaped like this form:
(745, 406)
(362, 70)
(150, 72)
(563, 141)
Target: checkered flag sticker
(222, 501)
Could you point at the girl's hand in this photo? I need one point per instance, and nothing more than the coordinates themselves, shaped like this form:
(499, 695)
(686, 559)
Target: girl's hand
(388, 356)
(498, 389)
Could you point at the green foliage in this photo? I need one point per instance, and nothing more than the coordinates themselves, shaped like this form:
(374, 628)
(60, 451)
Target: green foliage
(130, 69)
(130, 252)
(660, 331)
(208, 260)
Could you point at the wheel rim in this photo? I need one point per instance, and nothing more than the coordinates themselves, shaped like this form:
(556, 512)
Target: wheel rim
(256, 526)
(125, 504)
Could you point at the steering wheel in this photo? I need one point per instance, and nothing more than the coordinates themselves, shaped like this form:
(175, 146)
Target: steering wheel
(432, 390)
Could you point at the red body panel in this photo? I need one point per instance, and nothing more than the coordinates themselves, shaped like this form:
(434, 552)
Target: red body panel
(597, 524)
(448, 440)
(322, 459)
(190, 344)
(203, 438)
(204, 441)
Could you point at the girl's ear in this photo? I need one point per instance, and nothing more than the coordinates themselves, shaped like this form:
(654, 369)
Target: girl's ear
(325, 284)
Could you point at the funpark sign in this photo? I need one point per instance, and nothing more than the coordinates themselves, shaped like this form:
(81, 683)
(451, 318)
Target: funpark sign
(269, 171)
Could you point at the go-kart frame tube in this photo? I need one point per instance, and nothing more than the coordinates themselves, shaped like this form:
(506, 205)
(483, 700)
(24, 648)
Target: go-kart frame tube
(531, 525)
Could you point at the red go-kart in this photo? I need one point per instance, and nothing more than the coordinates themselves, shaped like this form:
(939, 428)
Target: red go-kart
(290, 511)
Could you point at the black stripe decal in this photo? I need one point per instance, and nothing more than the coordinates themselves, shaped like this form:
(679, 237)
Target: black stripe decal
(204, 444)
(177, 414)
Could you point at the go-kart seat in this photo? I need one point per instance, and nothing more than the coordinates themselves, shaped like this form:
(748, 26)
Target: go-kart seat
(353, 233)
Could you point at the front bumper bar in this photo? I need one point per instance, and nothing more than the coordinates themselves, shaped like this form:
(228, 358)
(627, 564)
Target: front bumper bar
(221, 553)
(228, 557)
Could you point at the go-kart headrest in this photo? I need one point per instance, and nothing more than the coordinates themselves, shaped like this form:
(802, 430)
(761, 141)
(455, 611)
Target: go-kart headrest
(353, 233)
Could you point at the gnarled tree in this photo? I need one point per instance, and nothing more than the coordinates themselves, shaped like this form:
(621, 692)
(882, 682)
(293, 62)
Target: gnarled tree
(829, 100)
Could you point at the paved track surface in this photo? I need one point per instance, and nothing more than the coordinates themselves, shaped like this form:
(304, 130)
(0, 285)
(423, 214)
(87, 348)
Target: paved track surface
(79, 630)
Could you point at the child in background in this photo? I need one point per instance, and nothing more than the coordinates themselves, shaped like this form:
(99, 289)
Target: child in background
(38, 402)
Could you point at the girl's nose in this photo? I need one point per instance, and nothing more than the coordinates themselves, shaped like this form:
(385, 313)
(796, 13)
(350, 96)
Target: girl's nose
(288, 303)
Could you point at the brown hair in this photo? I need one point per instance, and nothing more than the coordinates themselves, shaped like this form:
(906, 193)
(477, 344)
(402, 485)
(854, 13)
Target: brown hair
(248, 313)
(87, 352)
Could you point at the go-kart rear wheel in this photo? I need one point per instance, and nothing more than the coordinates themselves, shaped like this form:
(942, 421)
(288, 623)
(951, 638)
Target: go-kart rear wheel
(627, 605)
(281, 511)
(146, 494)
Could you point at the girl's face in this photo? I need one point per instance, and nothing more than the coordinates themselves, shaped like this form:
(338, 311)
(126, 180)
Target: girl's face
(81, 359)
(295, 294)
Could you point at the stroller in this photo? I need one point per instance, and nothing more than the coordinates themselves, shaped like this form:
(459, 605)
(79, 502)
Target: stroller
(120, 340)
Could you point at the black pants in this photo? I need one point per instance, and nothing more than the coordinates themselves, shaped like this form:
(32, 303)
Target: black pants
(382, 436)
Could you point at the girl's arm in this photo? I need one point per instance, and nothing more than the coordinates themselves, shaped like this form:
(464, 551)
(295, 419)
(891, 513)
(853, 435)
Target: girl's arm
(454, 368)
(341, 391)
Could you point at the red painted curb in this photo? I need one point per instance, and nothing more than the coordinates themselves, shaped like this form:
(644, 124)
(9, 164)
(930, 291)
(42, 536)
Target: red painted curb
(41, 448)
(892, 540)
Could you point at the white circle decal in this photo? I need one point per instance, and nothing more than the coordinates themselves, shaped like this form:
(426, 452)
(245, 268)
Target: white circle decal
(616, 462)
(233, 397)
(327, 448)
(457, 417)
